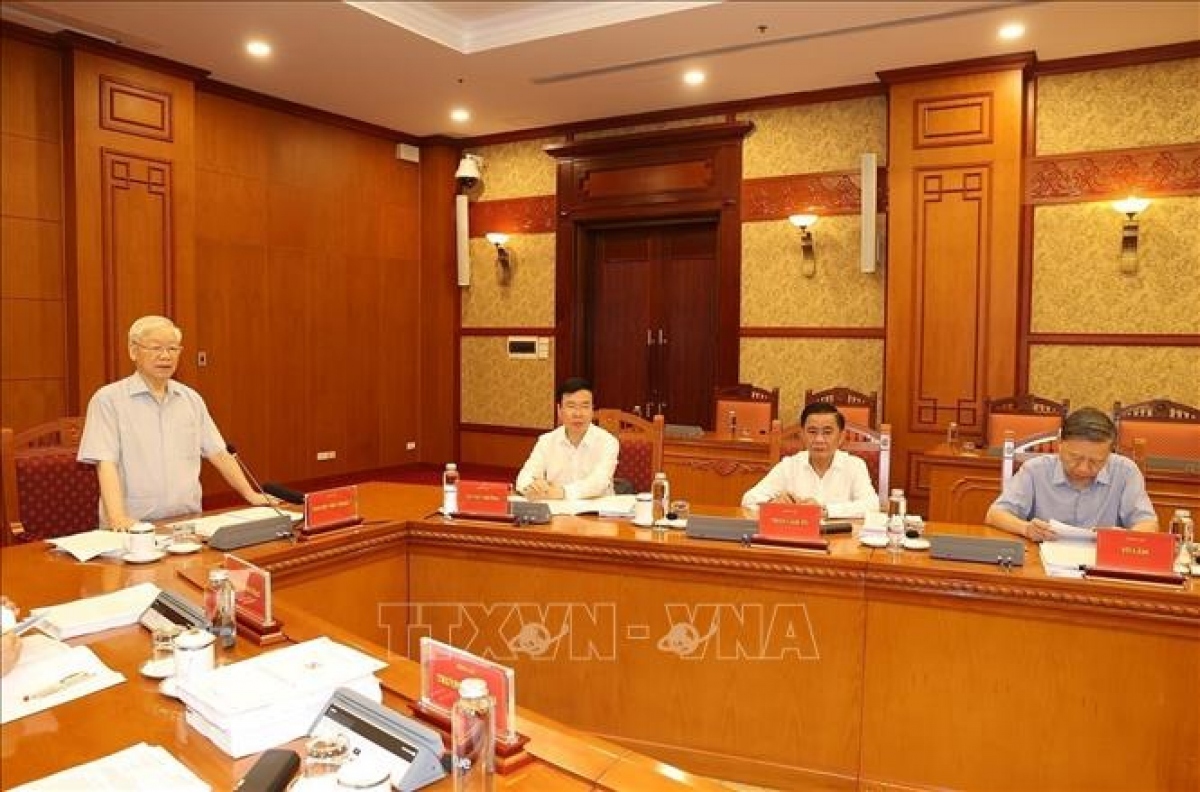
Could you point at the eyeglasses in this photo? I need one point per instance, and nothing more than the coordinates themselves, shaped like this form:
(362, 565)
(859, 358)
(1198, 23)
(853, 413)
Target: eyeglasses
(158, 351)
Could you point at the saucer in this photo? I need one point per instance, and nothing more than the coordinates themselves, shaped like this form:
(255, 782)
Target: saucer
(643, 524)
(167, 687)
(873, 540)
(158, 669)
(143, 558)
(183, 548)
(916, 544)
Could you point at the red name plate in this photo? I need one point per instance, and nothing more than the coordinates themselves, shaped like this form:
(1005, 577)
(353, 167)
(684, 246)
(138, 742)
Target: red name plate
(789, 521)
(1135, 551)
(331, 508)
(253, 587)
(483, 497)
(444, 667)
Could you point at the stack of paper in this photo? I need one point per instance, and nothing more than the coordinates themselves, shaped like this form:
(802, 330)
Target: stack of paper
(85, 616)
(1067, 558)
(1072, 533)
(50, 673)
(609, 506)
(138, 768)
(267, 700)
(89, 544)
(206, 526)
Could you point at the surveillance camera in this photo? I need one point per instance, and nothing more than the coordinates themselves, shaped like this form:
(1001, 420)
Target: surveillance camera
(468, 174)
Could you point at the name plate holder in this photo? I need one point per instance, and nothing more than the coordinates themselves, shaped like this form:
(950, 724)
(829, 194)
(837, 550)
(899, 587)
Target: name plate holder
(328, 510)
(255, 618)
(486, 501)
(443, 667)
(790, 525)
(1135, 556)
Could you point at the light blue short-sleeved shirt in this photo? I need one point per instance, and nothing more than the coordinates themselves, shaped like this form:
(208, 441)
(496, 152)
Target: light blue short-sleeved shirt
(157, 447)
(1040, 489)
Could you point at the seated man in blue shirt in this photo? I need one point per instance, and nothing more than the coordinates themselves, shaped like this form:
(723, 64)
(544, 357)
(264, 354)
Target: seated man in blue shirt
(1084, 485)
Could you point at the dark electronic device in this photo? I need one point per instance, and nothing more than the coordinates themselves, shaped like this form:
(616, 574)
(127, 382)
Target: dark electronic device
(725, 529)
(169, 609)
(294, 497)
(531, 512)
(1002, 552)
(272, 772)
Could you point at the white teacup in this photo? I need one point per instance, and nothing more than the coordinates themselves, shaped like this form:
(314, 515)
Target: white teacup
(643, 509)
(141, 539)
(194, 653)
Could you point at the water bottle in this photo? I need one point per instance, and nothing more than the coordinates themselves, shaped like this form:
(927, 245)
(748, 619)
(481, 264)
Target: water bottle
(1184, 531)
(732, 419)
(897, 505)
(660, 497)
(473, 738)
(220, 607)
(897, 510)
(450, 489)
(952, 441)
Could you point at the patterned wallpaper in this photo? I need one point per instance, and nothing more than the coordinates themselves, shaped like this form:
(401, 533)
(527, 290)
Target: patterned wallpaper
(505, 392)
(516, 170)
(813, 138)
(1129, 107)
(1077, 283)
(1100, 375)
(528, 299)
(775, 294)
(799, 364)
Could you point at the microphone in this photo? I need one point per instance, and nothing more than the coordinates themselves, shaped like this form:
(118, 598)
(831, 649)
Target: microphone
(294, 497)
(251, 531)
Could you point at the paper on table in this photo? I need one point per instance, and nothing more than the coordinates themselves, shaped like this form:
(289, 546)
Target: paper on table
(205, 527)
(52, 678)
(139, 767)
(1065, 559)
(608, 506)
(89, 544)
(93, 614)
(1071, 532)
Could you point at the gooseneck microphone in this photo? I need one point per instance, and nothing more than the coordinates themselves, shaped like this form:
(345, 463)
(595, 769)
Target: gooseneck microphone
(294, 497)
(250, 532)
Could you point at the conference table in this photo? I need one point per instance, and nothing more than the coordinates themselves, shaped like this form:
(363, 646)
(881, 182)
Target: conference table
(855, 668)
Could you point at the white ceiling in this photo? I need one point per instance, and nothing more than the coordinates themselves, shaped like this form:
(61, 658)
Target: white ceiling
(521, 65)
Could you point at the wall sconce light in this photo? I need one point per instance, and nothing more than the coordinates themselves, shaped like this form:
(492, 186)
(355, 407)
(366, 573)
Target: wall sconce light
(808, 256)
(1131, 207)
(503, 261)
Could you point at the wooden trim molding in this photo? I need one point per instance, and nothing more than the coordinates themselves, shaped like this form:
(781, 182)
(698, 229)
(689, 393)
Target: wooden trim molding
(1113, 60)
(134, 110)
(1154, 171)
(1116, 339)
(519, 431)
(533, 215)
(813, 332)
(506, 331)
(69, 39)
(831, 193)
(995, 63)
(621, 144)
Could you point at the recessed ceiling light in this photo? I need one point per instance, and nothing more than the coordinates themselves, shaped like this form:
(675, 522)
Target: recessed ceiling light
(694, 77)
(460, 114)
(259, 49)
(1012, 31)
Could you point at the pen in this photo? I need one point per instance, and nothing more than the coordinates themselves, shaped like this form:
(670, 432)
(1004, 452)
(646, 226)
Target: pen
(59, 686)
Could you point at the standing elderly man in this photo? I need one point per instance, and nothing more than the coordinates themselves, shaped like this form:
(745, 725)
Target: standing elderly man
(576, 460)
(1085, 485)
(147, 433)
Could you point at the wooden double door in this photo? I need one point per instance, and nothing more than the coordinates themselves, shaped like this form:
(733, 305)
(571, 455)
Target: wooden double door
(651, 326)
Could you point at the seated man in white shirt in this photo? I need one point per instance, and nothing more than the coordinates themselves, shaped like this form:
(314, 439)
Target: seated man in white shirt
(576, 460)
(821, 474)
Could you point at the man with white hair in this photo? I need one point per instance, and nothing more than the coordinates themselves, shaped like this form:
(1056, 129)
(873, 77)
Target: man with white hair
(147, 433)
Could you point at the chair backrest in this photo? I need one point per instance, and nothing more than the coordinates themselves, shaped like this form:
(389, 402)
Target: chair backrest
(873, 446)
(641, 445)
(861, 409)
(1025, 416)
(1169, 429)
(1016, 450)
(52, 494)
(754, 407)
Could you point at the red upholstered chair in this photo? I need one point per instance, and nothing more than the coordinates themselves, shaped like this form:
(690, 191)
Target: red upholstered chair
(1026, 416)
(641, 445)
(46, 492)
(754, 407)
(873, 446)
(1169, 429)
(856, 407)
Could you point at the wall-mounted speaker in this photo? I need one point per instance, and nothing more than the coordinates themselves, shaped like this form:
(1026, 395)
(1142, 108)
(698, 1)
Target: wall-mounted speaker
(462, 229)
(868, 249)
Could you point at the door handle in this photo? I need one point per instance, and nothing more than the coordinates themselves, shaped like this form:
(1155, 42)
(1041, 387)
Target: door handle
(662, 338)
(649, 337)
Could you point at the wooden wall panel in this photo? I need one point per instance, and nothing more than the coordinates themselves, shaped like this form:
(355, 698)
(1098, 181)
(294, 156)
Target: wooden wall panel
(131, 203)
(35, 371)
(954, 179)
